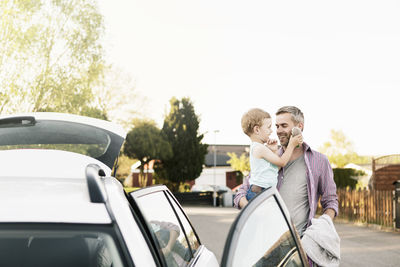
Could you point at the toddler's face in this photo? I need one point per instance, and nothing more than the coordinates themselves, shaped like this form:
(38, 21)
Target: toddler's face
(265, 130)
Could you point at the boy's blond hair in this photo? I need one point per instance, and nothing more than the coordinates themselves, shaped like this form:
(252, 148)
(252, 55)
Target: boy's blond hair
(253, 117)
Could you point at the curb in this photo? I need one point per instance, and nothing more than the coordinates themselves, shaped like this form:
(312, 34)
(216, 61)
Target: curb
(369, 225)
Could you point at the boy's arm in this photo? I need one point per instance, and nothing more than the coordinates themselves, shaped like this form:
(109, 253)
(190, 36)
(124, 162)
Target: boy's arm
(273, 145)
(173, 236)
(267, 154)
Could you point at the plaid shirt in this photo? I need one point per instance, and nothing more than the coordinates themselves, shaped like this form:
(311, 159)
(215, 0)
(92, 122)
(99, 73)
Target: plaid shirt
(320, 182)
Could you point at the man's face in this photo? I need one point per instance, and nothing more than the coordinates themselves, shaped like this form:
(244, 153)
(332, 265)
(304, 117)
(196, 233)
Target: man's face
(284, 125)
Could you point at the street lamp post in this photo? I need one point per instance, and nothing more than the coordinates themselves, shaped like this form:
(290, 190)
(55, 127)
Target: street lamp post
(215, 167)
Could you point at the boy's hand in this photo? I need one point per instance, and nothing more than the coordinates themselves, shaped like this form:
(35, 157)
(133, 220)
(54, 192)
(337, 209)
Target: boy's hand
(296, 140)
(272, 144)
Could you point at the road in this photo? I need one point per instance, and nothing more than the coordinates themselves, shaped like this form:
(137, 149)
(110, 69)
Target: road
(360, 246)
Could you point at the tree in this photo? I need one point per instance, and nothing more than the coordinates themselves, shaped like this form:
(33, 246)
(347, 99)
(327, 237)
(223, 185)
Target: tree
(116, 97)
(340, 151)
(346, 177)
(51, 55)
(241, 164)
(146, 142)
(181, 127)
(52, 59)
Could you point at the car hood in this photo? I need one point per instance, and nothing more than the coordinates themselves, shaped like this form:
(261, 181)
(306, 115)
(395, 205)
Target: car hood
(94, 138)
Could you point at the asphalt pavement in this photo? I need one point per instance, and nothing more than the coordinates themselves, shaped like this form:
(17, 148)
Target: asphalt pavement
(360, 245)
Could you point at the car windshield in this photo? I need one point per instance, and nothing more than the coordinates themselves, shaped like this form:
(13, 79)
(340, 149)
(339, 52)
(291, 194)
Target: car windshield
(58, 135)
(59, 245)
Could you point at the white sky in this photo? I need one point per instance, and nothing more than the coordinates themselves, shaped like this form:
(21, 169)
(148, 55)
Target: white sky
(338, 61)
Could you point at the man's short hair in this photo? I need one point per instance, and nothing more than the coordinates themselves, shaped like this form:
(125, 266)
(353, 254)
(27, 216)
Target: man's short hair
(253, 117)
(297, 115)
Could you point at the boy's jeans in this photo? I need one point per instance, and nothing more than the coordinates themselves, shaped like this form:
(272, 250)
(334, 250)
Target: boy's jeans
(253, 191)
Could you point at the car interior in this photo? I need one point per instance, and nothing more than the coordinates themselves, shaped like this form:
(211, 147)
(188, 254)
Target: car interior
(55, 251)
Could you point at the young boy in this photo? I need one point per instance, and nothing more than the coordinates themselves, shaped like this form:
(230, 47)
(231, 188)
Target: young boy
(264, 162)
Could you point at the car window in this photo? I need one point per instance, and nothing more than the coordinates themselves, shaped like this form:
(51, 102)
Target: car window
(59, 245)
(166, 229)
(190, 233)
(264, 239)
(78, 136)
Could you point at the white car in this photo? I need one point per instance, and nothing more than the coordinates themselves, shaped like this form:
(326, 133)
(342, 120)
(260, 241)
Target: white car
(60, 206)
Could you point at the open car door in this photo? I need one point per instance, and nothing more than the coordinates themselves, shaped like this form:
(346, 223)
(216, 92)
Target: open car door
(263, 235)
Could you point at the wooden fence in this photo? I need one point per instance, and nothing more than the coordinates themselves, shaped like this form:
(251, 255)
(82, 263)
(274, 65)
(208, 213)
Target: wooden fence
(367, 206)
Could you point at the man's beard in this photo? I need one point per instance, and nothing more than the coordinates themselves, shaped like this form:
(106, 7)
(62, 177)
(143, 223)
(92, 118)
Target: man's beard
(284, 139)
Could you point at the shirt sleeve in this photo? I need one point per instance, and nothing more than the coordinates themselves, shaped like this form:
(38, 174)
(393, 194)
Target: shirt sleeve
(242, 191)
(327, 187)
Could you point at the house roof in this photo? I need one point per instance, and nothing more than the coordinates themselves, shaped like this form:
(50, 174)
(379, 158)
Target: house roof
(222, 154)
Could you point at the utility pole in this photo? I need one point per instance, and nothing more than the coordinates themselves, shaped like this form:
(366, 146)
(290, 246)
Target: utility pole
(215, 168)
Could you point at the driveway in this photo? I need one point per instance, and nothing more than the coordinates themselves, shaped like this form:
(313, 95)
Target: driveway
(360, 246)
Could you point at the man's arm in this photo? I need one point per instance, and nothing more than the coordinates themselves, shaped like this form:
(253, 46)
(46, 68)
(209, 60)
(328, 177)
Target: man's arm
(240, 198)
(327, 190)
(330, 212)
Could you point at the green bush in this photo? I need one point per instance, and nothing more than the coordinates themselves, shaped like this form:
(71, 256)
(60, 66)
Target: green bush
(130, 189)
(344, 177)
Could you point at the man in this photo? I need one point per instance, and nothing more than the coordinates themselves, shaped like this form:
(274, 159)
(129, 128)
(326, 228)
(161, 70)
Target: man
(307, 176)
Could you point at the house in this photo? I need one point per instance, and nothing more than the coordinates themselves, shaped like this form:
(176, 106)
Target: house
(219, 172)
(385, 171)
(134, 178)
(222, 174)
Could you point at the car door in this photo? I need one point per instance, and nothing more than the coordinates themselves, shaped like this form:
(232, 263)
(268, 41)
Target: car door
(263, 235)
(169, 228)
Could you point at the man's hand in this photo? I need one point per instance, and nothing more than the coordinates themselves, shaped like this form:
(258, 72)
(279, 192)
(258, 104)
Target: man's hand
(243, 202)
(330, 213)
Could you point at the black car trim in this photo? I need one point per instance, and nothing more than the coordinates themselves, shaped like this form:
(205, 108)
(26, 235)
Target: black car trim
(196, 256)
(288, 256)
(141, 222)
(162, 188)
(93, 172)
(184, 213)
(180, 223)
(94, 176)
(20, 121)
(292, 230)
(122, 241)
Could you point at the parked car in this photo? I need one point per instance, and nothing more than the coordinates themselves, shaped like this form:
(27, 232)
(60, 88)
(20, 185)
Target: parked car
(202, 188)
(62, 207)
(224, 195)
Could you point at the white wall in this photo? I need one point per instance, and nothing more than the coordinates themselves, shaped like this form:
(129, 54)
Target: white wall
(207, 176)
